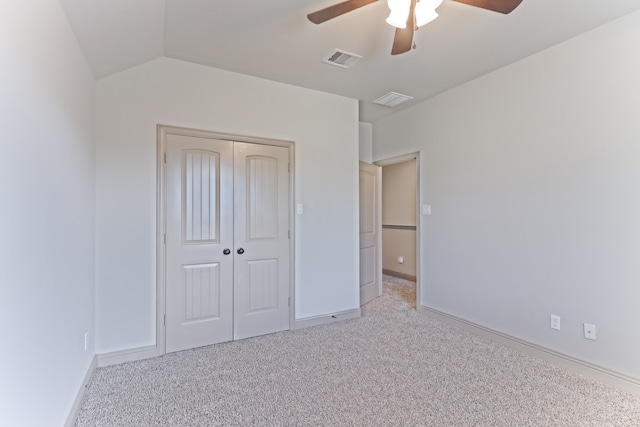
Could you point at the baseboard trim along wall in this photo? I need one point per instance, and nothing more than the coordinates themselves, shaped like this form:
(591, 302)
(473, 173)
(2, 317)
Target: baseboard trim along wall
(327, 318)
(148, 352)
(404, 276)
(588, 370)
(131, 355)
(77, 403)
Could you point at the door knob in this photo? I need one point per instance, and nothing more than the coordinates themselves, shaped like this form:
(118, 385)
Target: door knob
(226, 251)
(240, 251)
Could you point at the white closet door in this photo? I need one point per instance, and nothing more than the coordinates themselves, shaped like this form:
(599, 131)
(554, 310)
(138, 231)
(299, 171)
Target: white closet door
(199, 276)
(261, 229)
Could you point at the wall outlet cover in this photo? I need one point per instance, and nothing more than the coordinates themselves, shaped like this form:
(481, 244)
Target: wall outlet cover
(590, 331)
(555, 322)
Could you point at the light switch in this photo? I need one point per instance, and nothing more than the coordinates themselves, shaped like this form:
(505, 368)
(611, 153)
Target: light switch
(299, 209)
(426, 209)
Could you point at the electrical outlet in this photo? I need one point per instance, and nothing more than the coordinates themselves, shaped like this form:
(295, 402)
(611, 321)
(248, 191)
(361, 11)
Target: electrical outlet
(555, 322)
(590, 331)
(86, 340)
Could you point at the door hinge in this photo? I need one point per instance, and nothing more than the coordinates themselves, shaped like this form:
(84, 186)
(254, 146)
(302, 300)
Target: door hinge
(165, 157)
(289, 167)
(289, 301)
(288, 234)
(165, 238)
(164, 320)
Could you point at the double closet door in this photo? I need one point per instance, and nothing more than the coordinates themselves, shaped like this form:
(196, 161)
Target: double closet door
(227, 241)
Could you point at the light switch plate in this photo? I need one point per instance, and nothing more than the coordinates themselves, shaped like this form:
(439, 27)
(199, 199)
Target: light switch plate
(426, 209)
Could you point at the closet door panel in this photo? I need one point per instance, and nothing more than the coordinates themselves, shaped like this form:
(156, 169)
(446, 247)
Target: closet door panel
(261, 237)
(199, 277)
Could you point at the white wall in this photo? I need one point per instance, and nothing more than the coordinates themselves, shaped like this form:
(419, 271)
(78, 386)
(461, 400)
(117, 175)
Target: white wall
(395, 244)
(399, 193)
(46, 214)
(171, 92)
(366, 142)
(533, 172)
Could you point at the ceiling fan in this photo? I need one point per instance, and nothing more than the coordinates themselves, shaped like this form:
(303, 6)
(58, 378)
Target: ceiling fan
(408, 15)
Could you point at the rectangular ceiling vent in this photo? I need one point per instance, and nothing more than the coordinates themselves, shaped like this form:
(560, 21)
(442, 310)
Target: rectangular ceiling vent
(341, 58)
(392, 99)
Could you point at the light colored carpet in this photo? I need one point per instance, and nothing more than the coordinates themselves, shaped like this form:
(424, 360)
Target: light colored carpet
(392, 367)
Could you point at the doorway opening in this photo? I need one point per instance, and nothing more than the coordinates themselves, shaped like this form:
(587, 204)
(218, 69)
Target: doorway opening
(401, 224)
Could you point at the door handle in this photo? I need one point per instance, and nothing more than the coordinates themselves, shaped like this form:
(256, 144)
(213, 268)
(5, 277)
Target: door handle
(227, 251)
(240, 251)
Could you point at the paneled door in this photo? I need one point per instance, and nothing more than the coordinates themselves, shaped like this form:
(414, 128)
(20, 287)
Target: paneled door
(227, 248)
(261, 264)
(370, 232)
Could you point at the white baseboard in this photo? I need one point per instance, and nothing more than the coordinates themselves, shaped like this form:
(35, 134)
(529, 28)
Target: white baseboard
(586, 369)
(148, 352)
(131, 355)
(77, 403)
(327, 318)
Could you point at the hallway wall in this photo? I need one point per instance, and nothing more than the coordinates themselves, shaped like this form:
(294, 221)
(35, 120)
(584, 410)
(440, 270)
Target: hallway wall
(399, 219)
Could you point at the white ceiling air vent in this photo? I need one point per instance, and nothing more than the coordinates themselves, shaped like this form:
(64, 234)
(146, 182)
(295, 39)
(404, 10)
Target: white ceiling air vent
(341, 58)
(392, 99)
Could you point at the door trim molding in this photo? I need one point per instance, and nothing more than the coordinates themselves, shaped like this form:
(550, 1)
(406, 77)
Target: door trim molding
(161, 225)
(400, 159)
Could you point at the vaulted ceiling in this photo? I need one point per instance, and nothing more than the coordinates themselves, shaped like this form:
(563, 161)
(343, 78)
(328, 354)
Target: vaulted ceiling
(274, 40)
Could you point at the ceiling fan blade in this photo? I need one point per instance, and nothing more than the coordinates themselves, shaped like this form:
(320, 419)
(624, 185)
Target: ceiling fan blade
(502, 6)
(338, 9)
(403, 40)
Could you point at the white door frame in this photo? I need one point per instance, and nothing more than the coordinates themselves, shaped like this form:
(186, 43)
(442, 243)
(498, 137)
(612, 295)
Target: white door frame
(400, 159)
(161, 208)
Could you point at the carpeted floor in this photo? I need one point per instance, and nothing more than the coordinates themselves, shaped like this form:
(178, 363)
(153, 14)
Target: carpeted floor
(392, 367)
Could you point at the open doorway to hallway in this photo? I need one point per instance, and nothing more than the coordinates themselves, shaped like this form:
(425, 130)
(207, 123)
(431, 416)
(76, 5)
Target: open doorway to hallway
(400, 226)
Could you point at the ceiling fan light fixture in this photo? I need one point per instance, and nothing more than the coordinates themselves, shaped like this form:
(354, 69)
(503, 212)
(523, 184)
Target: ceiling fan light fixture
(398, 19)
(399, 13)
(407, 15)
(424, 16)
(397, 5)
(426, 11)
(430, 4)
